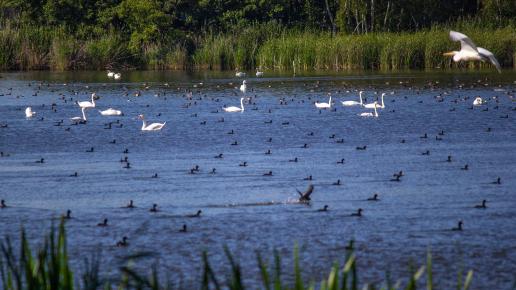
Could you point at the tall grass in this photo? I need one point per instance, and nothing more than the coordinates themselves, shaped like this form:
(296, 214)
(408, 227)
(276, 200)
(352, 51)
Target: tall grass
(48, 268)
(386, 51)
(269, 46)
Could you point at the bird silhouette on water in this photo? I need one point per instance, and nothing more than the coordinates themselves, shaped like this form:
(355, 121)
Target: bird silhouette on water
(123, 242)
(483, 205)
(374, 198)
(325, 208)
(305, 197)
(358, 213)
(459, 226)
(103, 223)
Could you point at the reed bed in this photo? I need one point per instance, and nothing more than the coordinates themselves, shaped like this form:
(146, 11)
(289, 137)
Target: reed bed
(385, 51)
(49, 268)
(267, 46)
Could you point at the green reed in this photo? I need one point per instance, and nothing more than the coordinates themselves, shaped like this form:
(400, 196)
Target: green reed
(268, 46)
(48, 268)
(386, 51)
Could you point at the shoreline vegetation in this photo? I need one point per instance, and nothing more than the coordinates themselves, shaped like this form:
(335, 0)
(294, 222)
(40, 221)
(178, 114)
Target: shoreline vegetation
(267, 47)
(280, 35)
(48, 267)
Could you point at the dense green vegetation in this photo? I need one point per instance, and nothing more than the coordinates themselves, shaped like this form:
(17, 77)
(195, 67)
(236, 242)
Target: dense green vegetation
(49, 268)
(236, 34)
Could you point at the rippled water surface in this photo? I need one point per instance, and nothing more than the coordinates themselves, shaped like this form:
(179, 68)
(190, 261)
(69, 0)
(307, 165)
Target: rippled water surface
(251, 212)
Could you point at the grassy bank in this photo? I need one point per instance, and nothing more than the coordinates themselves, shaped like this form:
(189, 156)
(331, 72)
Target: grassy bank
(267, 46)
(49, 268)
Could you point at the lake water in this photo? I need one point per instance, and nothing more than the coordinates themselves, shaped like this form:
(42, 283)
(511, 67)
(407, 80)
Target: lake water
(250, 212)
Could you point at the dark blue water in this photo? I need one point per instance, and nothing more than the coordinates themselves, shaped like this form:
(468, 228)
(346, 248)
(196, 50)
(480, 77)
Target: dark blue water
(412, 217)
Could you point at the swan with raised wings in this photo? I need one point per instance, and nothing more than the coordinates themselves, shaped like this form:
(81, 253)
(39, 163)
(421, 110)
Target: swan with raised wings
(478, 101)
(470, 52)
(29, 113)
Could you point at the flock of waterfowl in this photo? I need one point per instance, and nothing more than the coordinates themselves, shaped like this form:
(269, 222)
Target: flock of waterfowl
(467, 53)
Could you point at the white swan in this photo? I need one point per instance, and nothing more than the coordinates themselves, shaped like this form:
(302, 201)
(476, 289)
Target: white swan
(470, 52)
(478, 101)
(375, 104)
(111, 112)
(369, 114)
(323, 105)
(117, 76)
(259, 73)
(354, 103)
(87, 104)
(234, 109)
(151, 127)
(29, 113)
(76, 119)
(110, 74)
(243, 87)
(240, 74)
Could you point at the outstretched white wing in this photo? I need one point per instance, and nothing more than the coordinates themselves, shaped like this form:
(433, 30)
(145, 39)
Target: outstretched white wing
(465, 42)
(489, 55)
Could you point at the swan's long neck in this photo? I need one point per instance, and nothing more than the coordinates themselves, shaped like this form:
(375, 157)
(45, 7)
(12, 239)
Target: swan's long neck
(242, 103)
(83, 114)
(144, 125)
(93, 99)
(360, 95)
(383, 105)
(375, 111)
(329, 102)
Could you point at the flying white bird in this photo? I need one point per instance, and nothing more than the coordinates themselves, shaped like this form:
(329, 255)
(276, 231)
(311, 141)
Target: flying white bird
(470, 52)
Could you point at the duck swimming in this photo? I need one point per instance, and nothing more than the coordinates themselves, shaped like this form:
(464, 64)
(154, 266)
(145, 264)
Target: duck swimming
(103, 224)
(68, 215)
(459, 227)
(198, 214)
(325, 208)
(122, 243)
(358, 213)
(130, 205)
(483, 205)
(374, 198)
